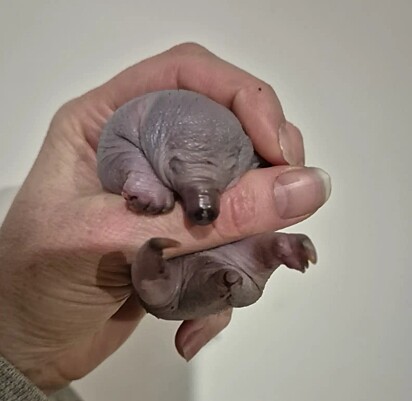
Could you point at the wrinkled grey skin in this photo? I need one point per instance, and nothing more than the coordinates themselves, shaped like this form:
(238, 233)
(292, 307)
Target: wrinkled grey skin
(180, 143)
(173, 142)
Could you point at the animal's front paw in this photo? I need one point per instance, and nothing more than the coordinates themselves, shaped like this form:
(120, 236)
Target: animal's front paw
(149, 198)
(149, 203)
(295, 251)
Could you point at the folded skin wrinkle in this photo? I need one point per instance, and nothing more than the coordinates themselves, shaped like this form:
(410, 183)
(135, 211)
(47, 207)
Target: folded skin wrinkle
(181, 144)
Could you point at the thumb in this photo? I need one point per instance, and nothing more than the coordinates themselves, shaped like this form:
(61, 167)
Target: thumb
(263, 200)
(271, 199)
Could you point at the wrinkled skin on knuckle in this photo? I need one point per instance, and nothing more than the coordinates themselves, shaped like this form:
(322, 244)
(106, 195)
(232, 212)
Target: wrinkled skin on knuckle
(250, 96)
(238, 213)
(64, 118)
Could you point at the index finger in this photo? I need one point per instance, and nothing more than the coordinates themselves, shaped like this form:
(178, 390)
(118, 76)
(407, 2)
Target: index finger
(192, 67)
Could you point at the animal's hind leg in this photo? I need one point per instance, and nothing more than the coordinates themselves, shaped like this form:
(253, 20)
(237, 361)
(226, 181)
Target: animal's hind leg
(156, 280)
(145, 193)
(204, 283)
(124, 169)
(257, 257)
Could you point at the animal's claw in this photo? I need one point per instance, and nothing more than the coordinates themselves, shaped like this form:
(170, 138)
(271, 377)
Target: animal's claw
(310, 251)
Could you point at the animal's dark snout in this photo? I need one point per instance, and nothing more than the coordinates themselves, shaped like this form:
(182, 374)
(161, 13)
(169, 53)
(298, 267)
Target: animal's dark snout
(202, 206)
(204, 215)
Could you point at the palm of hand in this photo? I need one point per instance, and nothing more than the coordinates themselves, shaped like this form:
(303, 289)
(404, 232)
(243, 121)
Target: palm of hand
(66, 245)
(67, 267)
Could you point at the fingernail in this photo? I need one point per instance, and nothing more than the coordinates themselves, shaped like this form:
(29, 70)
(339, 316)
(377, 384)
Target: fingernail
(192, 345)
(290, 142)
(301, 191)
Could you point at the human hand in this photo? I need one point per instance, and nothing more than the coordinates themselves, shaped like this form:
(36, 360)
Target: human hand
(66, 299)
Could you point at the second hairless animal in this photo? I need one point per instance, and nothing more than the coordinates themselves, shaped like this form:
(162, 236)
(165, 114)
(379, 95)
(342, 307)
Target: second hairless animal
(179, 144)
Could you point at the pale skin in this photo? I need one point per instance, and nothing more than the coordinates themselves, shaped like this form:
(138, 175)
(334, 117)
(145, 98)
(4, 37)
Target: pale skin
(66, 245)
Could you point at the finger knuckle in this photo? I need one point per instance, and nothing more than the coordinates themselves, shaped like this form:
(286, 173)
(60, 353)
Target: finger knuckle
(188, 49)
(238, 213)
(253, 92)
(262, 86)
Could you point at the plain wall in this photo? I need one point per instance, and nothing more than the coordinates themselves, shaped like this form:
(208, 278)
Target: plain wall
(342, 70)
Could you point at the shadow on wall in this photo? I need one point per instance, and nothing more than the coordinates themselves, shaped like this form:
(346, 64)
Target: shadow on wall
(7, 195)
(147, 367)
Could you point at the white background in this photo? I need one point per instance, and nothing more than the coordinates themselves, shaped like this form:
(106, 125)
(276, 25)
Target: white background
(342, 70)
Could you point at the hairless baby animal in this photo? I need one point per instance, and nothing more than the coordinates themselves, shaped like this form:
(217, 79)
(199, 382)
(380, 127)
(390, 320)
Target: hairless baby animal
(180, 145)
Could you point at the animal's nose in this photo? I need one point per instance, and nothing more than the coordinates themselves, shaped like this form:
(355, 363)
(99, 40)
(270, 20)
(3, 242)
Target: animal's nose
(204, 215)
(201, 205)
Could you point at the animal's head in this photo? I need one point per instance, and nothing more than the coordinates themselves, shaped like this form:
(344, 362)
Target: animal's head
(198, 147)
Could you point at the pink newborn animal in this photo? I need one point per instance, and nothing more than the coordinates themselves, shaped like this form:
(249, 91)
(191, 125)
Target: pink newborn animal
(181, 145)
